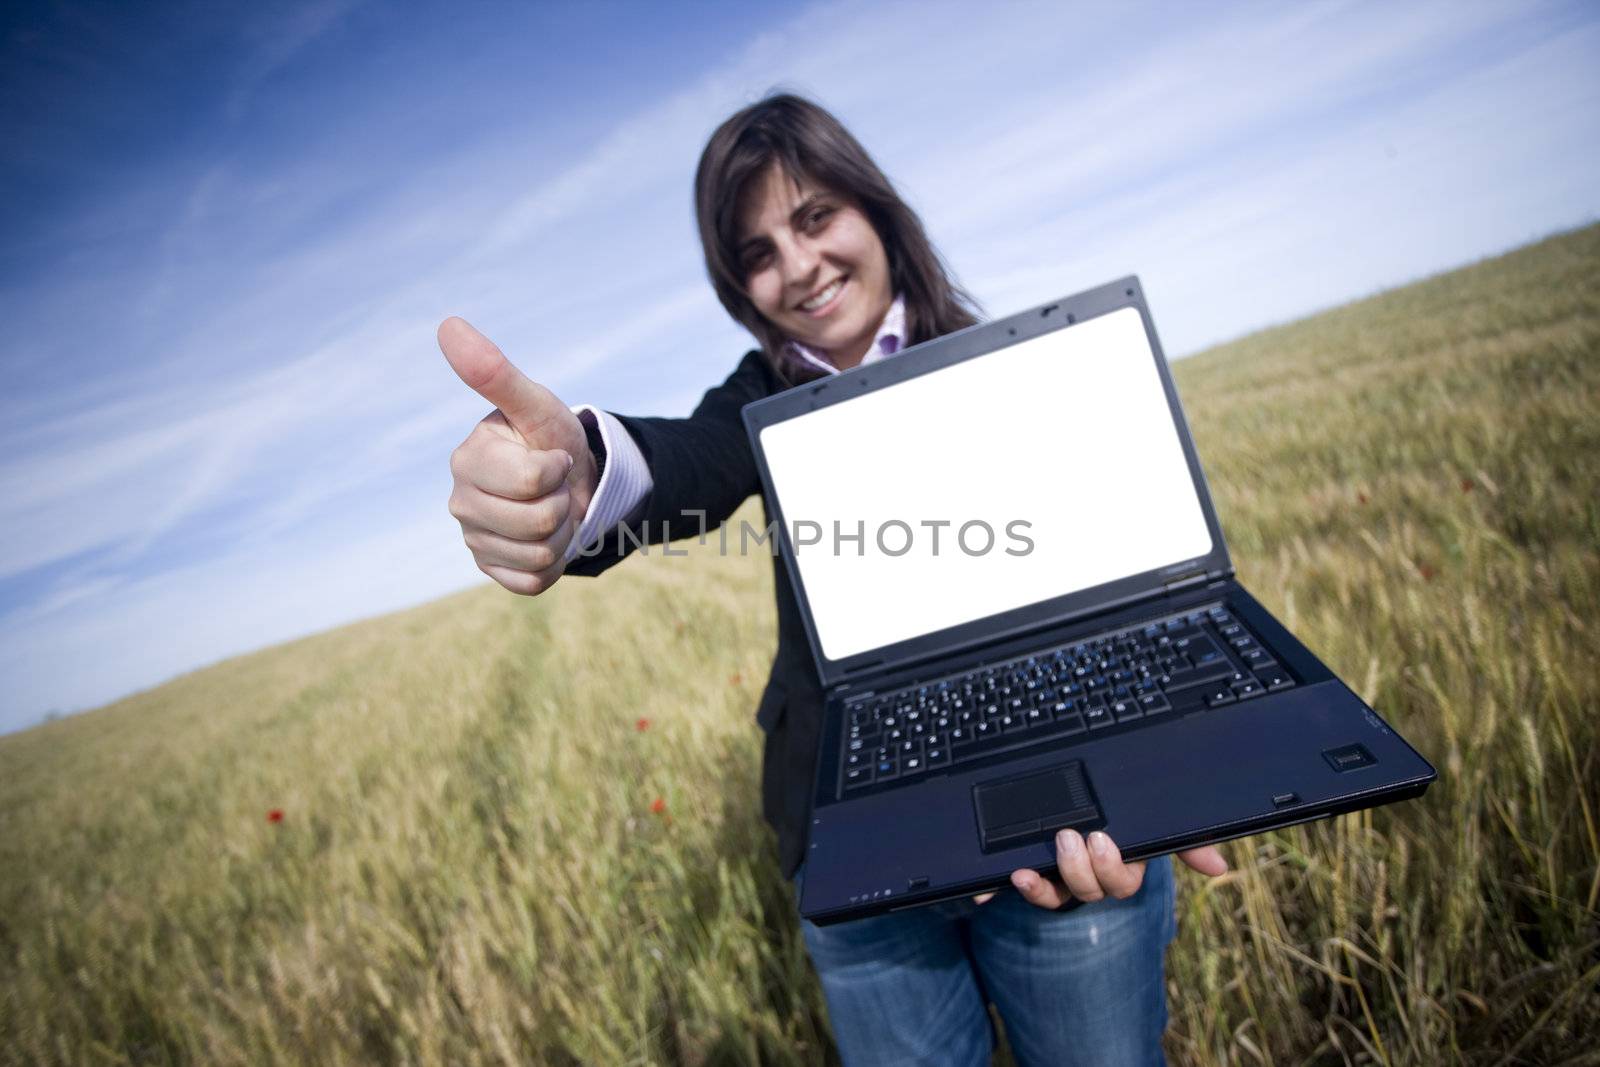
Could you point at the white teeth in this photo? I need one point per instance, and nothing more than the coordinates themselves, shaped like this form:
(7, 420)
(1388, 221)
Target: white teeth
(823, 297)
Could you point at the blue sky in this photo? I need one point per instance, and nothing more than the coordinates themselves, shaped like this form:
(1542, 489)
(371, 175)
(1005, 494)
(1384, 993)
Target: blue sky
(228, 235)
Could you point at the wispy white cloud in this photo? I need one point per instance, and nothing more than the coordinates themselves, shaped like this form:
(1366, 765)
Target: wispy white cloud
(276, 40)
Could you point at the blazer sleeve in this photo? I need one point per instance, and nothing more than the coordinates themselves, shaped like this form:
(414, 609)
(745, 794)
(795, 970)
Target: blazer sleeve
(699, 464)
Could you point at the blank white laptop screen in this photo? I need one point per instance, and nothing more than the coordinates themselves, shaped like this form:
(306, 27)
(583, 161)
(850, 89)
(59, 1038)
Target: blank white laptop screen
(1062, 447)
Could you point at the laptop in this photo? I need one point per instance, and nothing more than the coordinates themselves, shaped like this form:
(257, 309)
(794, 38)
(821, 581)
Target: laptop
(1024, 617)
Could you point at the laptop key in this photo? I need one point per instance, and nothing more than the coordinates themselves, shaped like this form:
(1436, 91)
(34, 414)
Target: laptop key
(1218, 697)
(938, 757)
(1097, 716)
(857, 776)
(1256, 658)
(912, 765)
(1193, 676)
(1245, 690)
(1071, 723)
(1274, 680)
(1154, 704)
(1125, 710)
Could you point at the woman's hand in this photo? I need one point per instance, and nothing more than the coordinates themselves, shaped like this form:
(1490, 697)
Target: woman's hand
(1092, 869)
(524, 476)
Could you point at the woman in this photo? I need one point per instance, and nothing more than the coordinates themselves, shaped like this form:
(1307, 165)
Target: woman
(810, 248)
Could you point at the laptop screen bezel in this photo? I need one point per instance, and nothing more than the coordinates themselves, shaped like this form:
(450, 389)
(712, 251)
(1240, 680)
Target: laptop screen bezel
(935, 355)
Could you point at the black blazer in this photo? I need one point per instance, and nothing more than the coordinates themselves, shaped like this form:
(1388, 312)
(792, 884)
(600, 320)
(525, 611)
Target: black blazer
(704, 464)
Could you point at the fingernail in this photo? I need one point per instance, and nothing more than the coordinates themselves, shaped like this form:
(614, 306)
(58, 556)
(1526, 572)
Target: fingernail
(570, 461)
(1100, 843)
(1023, 881)
(1069, 842)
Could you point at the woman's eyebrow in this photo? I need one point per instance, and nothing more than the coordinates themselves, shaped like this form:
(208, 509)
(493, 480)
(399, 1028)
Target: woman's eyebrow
(806, 205)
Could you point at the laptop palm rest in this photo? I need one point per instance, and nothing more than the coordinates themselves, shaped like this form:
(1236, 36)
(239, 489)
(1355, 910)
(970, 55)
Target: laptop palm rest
(1033, 806)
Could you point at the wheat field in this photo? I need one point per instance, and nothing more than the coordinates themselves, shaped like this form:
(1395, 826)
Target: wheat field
(475, 833)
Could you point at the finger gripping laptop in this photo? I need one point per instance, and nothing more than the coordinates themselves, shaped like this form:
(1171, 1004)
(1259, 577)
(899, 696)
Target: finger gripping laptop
(1024, 618)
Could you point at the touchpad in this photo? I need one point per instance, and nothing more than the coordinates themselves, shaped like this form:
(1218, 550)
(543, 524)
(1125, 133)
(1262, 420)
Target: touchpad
(1027, 807)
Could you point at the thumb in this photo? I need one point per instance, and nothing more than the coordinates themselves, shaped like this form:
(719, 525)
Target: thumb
(532, 410)
(1207, 859)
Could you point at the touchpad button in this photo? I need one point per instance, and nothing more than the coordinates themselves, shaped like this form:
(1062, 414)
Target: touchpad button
(1033, 806)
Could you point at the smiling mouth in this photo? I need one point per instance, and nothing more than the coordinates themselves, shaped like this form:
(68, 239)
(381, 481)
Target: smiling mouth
(823, 298)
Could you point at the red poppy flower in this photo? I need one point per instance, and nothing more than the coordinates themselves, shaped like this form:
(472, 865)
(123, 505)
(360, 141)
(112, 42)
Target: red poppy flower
(1426, 571)
(1361, 497)
(1466, 485)
(275, 815)
(642, 725)
(658, 805)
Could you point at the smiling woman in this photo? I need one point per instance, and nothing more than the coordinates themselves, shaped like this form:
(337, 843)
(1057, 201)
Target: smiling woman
(809, 246)
(814, 267)
(788, 204)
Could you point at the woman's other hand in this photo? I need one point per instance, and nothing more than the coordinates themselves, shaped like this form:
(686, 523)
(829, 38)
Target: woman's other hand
(1091, 869)
(524, 476)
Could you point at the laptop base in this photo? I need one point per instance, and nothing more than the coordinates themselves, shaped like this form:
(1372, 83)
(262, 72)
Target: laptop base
(1211, 775)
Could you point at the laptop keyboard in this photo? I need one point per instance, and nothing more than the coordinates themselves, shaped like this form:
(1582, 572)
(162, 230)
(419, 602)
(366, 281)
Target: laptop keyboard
(1121, 680)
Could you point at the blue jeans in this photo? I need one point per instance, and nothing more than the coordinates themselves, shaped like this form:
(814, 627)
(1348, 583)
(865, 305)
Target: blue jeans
(1079, 986)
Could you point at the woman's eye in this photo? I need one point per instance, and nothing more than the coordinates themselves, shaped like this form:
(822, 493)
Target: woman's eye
(817, 218)
(755, 260)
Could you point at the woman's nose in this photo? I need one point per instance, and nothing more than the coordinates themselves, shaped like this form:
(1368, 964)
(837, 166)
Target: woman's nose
(800, 264)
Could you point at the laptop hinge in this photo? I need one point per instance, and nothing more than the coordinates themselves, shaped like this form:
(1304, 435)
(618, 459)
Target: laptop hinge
(1188, 581)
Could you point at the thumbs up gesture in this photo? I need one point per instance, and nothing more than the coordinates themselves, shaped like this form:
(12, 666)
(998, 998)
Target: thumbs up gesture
(524, 476)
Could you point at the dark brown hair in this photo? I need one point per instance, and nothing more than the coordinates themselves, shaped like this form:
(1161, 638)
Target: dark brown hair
(811, 145)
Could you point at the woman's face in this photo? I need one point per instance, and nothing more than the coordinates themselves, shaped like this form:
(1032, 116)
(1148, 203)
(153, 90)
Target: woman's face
(813, 265)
